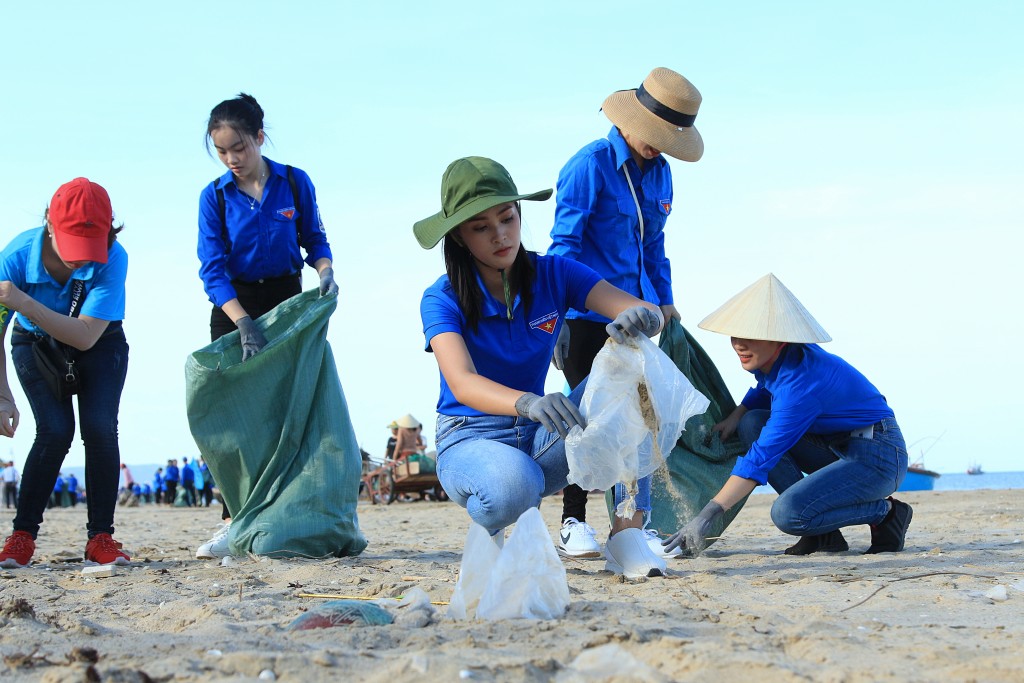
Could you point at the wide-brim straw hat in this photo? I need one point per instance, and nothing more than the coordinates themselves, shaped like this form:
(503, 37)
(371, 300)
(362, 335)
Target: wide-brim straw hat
(768, 311)
(660, 112)
(407, 421)
(469, 186)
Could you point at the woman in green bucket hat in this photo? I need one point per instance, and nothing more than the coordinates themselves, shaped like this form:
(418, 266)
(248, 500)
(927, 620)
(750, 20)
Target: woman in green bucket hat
(492, 322)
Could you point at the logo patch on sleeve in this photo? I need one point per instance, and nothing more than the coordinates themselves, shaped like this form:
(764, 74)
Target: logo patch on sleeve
(547, 323)
(288, 213)
(666, 206)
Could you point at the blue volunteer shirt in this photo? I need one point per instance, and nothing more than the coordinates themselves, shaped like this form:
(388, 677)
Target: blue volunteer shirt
(104, 296)
(808, 390)
(516, 352)
(262, 234)
(596, 221)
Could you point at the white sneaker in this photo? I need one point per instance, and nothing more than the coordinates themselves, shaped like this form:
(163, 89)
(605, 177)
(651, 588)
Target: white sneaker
(627, 553)
(576, 539)
(217, 546)
(654, 543)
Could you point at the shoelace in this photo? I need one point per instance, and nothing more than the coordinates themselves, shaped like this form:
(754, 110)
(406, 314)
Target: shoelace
(221, 532)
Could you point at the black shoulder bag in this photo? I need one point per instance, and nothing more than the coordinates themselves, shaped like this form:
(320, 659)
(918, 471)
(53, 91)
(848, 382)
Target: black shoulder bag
(56, 360)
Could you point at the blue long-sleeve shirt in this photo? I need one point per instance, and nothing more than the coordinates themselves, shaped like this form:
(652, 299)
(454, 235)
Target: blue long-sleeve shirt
(808, 390)
(596, 220)
(262, 234)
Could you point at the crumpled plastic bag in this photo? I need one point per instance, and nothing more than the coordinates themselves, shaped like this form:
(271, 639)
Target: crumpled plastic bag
(524, 580)
(342, 613)
(636, 404)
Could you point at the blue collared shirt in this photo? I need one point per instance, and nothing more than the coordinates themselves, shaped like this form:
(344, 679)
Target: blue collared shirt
(514, 353)
(809, 391)
(104, 296)
(596, 221)
(262, 234)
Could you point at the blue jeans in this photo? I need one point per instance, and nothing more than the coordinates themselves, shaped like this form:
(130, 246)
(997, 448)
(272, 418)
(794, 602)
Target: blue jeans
(848, 478)
(497, 466)
(102, 370)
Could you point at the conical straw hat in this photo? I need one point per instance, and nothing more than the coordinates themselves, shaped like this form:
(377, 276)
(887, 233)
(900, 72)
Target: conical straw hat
(766, 310)
(407, 421)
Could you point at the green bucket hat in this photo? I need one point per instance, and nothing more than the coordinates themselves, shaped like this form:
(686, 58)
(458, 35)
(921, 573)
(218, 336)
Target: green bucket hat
(469, 186)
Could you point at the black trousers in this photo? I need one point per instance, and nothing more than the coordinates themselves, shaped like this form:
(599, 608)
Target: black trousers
(257, 298)
(586, 338)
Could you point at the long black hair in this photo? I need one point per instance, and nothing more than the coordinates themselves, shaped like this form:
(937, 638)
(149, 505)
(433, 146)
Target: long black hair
(242, 114)
(458, 262)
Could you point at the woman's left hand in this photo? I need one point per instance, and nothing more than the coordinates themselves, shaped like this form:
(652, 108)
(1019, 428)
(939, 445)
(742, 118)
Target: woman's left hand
(9, 417)
(633, 322)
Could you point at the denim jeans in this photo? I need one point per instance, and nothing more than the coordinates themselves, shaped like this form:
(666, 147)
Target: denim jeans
(848, 478)
(102, 370)
(497, 466)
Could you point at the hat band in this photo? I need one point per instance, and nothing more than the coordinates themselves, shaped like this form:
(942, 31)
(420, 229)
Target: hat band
(664, 112)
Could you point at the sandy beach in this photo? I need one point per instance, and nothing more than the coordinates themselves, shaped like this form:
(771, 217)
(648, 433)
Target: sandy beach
(743, 611)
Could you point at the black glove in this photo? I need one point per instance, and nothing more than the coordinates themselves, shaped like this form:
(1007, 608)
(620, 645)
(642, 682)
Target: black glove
(327, 283)
(555, 411)
(561, 348)
(633, 322)
(252, 339)
(693, 536)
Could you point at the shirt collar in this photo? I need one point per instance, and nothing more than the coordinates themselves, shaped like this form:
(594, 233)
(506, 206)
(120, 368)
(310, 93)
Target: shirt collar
(228, 178)
(35, 271)
(491, 306)
(623, 153)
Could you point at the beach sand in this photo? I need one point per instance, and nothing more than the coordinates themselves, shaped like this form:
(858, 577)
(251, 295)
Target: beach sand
(743, 611)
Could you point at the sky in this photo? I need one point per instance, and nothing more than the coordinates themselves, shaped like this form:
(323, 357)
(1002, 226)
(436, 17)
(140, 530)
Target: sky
(868, 154)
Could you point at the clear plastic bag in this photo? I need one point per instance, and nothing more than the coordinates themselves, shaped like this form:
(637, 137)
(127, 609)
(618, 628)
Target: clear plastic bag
(523, 580)
(636, 404)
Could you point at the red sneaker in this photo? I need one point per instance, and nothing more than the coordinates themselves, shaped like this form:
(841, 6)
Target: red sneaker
(18, 550)
(103, 549)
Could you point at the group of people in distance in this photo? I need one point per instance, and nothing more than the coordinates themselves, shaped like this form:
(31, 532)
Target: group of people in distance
(817, 429)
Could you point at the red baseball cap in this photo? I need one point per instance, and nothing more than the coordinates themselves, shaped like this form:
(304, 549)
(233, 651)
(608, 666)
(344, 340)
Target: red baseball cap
(80, 214)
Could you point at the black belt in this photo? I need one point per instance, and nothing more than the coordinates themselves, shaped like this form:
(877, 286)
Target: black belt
(269, 280)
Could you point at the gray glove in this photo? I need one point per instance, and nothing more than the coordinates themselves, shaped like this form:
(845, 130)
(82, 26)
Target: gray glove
(561, 348)
(555, 411)
(252, 339)
(633, 322)
(327, 283)
(693, 536)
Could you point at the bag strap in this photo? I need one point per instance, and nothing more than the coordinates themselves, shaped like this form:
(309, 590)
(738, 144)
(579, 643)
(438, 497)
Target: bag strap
(632, 191)
(77, 295)
(295, 200)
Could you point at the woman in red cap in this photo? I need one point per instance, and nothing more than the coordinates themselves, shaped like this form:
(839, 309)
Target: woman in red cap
(65, 281)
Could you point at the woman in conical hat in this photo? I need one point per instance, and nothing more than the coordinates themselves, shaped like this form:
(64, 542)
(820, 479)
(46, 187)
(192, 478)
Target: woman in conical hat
(816, 430)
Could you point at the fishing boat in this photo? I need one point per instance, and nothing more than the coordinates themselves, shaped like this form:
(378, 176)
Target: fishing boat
(974, 469)
(919, 478)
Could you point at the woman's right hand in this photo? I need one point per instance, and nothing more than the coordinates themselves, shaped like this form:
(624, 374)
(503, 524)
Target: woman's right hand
(555, 411)
(727, 427)
(9, 417)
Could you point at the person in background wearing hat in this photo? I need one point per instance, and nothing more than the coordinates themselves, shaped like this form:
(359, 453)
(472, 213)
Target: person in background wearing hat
(491, 323)
(66, 280)
(614, 198)
(389, 450)
(252, 222)
(811, 413)
(408, 439)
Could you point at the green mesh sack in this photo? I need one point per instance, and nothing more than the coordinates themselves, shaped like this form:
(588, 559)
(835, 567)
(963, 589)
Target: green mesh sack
(276, 434)
(701, 462)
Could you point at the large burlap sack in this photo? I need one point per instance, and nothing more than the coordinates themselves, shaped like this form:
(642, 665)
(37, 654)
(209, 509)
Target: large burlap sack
(276, 434)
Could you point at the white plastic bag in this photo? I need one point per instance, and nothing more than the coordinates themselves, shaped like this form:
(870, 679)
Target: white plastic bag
(478, 561)
(636, 404)
(528, 580)
(523, 580)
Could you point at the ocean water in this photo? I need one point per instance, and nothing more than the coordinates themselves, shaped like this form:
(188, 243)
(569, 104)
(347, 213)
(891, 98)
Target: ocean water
(947, 482)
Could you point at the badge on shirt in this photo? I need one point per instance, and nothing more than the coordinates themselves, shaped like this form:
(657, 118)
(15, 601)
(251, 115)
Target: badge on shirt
(545, 322)
(666, 206)
(288, 213)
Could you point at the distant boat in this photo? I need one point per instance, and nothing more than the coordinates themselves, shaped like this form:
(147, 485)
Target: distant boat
(974, 469)
(918, 478)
